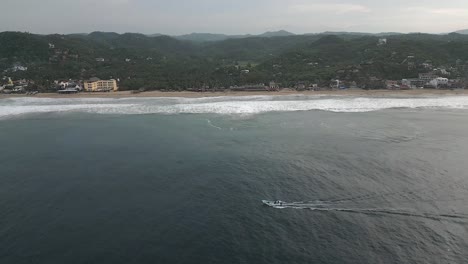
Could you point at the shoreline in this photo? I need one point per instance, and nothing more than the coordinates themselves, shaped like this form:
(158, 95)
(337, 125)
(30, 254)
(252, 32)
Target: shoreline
(187, 94)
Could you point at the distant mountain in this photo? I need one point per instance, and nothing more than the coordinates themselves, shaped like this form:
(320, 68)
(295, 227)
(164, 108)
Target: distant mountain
(280, 33)
(78, 34)
(346, 33)
(464, 31)
(193, 37)
(382, 34)
(207, 37)
(103, 37)
(210, 37)
(155, 35)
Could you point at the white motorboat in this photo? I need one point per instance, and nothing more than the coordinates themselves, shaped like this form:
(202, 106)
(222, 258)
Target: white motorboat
(273, 203)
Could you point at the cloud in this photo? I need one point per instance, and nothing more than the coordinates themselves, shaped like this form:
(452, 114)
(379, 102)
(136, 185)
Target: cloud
(329, 8)
(439, 11)
(450, 11)
(232, 17)
(105, 2)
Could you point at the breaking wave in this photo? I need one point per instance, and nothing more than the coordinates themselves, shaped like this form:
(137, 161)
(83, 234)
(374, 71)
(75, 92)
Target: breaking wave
(223, 105)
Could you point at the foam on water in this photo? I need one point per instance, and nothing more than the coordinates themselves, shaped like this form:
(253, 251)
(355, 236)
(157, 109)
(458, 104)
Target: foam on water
(330, 207)
(223, 105)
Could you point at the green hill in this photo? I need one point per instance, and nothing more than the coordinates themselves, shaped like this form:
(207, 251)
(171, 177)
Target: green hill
(163, 62)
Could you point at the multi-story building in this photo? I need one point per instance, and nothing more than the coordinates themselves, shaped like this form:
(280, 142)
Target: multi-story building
(97, 85)
(427, 77)
(440, 82)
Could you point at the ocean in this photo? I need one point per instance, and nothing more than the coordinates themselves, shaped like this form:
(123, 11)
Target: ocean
(180, 180)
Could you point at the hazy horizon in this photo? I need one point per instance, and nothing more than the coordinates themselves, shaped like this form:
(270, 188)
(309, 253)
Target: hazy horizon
(223, 33)
(180, 17)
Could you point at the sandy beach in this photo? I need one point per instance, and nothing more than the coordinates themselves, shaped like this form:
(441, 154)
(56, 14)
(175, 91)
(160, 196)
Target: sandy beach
(187, 94)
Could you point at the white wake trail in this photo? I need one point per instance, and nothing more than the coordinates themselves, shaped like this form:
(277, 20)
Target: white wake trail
(328, 207)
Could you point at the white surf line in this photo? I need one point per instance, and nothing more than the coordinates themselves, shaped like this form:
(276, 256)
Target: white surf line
(225, 106)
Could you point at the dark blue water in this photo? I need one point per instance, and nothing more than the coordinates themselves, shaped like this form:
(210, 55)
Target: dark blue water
(87, 188)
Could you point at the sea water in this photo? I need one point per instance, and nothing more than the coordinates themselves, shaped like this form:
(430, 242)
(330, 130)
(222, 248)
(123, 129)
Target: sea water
(177, 180)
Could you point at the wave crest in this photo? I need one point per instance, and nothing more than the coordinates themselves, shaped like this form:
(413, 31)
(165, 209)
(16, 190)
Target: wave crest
(222, 105)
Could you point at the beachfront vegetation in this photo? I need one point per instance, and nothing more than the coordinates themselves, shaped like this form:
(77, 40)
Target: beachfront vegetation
(162, 62)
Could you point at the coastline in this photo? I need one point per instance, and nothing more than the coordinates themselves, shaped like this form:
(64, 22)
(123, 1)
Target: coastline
(187, 94)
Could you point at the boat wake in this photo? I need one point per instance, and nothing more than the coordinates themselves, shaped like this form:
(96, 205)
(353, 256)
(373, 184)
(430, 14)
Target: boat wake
(213, 126)
(332, 207)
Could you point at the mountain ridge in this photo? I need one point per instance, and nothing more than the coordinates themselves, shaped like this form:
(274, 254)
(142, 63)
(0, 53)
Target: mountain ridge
(163, 62)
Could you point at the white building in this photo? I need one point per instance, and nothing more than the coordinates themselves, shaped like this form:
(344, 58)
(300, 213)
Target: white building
(63, 84)
(427, 77)
(382, 41)
(442, 81)
(19, 68)
(437, 82)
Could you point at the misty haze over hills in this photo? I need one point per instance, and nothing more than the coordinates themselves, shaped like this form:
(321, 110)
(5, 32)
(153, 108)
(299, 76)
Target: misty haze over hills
(203, 37)
(213, 37)
(209, 37)
(465, 31)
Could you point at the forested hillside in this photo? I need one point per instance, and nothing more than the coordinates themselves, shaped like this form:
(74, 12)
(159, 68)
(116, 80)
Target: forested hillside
(162, 62)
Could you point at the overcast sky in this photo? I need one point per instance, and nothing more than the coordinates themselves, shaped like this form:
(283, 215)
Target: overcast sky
(232, 16)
